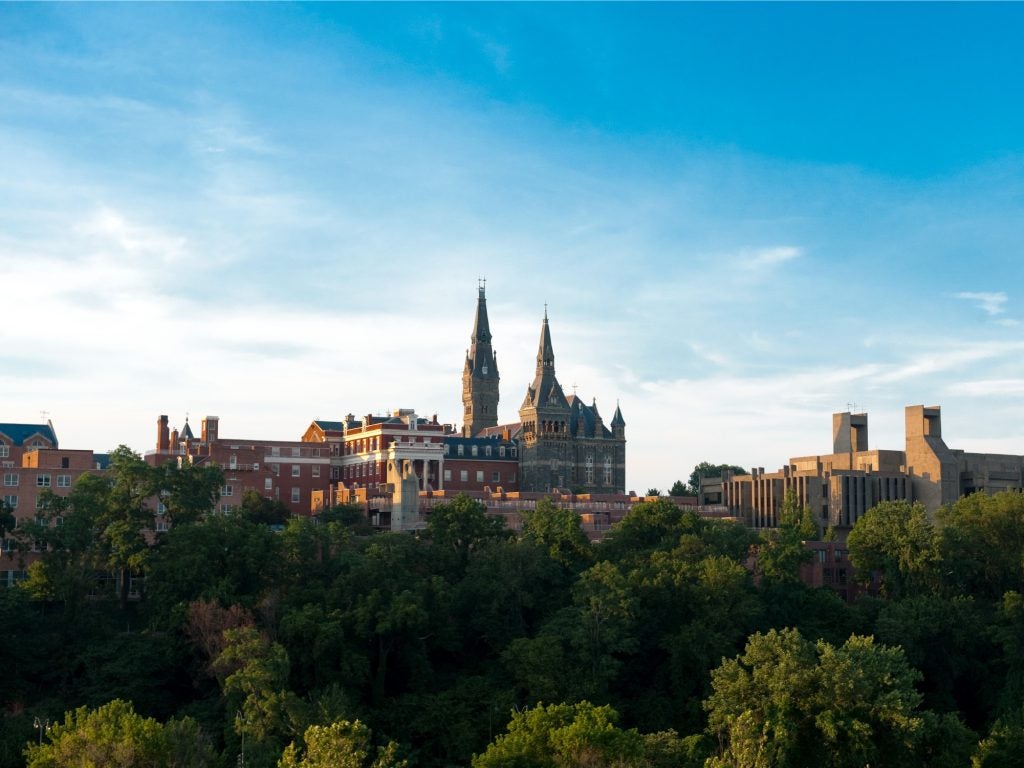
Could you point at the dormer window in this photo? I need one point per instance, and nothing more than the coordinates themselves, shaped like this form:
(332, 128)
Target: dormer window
(483, 369)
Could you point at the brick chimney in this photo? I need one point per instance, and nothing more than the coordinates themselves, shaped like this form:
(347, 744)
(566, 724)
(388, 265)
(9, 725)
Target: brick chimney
(163, 435)
(210, 428)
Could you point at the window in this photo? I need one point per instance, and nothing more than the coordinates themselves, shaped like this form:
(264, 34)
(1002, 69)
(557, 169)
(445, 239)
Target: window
(161, 508)
(590, 470)
(233, 462)
(276, 469)
(5, 450)
(295, 452)
(335, 473)
(295, 495)
(275, 450)
(63, 481)
(607, 470)
(316, 470)
(227, 490)
(11, 501)
(487, 451)
(225, 508)
(515, 452)
(447, 475)
(10, 479)
(501, 451)
(464, 475)
(447, 449)
(65, 462)
(296, 470)
(512, 477)
(161, 526)
(462, 450)
(473, 450)
(495, 477)
(43, 481)
(479, 475)
(268, 483)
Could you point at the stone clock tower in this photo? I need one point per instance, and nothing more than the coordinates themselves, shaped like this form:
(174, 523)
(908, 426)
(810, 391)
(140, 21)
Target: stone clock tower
(480, 375)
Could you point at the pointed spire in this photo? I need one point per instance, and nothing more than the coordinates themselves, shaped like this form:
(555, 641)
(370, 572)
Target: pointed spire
(617, 420)
(545, 352)
(481, 328)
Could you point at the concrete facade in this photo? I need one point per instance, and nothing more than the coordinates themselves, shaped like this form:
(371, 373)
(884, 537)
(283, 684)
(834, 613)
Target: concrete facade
(840, 487)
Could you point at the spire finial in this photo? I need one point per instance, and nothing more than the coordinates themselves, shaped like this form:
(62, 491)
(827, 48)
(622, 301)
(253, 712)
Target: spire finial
(481, 284)
(545, 311)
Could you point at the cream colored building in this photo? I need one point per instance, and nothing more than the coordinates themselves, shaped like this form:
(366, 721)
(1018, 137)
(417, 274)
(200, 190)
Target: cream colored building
(839, 487)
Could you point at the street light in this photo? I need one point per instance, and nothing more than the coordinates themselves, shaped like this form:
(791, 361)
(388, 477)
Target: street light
(244, 722)
(41, 725)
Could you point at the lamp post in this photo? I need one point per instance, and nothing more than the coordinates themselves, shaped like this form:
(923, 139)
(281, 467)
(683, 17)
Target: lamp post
(41, 725)
(240, 719)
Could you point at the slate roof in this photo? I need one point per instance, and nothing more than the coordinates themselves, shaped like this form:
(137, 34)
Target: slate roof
(330, 426)
(545, 391)
(19, 433)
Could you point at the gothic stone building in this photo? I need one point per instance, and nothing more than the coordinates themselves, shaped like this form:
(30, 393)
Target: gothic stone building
(563, 442)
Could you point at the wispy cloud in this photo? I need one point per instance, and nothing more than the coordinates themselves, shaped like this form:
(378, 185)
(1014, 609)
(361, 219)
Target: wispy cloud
(992, 303)
(988, 388)
(765, 258)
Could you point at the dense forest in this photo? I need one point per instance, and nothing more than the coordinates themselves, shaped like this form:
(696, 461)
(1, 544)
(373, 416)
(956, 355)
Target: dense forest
(245, 639)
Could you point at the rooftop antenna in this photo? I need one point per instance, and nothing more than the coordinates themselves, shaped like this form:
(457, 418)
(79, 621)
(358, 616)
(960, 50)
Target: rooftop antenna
(44, 415)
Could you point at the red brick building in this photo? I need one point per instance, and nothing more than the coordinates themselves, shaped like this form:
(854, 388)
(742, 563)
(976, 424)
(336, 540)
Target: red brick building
(285, 470)
(32, 463)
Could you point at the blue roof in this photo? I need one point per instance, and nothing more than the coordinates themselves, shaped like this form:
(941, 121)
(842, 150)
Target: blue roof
(332, 425)
(19, 433)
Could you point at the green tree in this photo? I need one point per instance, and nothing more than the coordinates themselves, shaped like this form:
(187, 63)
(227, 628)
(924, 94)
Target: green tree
(342, 744)
(190, 491)
(782, 551)
(1003, 747)
(563, 736)
(789, 702)
(255, 674)
(897, 540)
(114, 736)
(461, 527)
(707, 469)
(981, 545)
(679, 488)
(559, 532)
(257, 508)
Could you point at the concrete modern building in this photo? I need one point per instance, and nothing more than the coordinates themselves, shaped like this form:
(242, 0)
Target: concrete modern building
(839, 487)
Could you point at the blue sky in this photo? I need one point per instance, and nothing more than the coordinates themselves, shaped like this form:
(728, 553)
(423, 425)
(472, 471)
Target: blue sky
(741, 217)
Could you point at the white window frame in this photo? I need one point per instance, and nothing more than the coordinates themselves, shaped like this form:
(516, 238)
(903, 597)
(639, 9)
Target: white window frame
(43, 481)
(11, 480)
(296, 495)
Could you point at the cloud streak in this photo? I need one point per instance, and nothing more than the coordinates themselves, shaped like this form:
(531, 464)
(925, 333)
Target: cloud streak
(991, 303)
